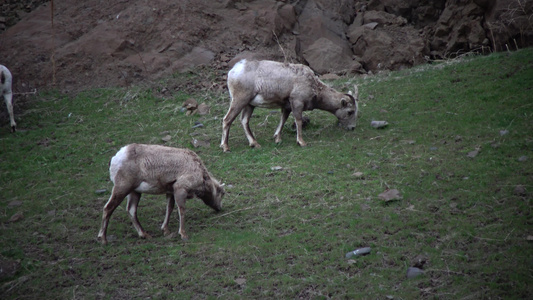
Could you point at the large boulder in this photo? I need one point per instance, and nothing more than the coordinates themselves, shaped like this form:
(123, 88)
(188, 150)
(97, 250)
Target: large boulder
(326, 56)
(381, 41)
(321, 40)
(459, 29)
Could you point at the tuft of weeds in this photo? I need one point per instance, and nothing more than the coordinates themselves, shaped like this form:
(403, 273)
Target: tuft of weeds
(458, 148)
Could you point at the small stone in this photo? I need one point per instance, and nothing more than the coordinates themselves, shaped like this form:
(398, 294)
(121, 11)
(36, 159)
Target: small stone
(390, 195)
(413, 272)
(519, 190)
(200, 143)
(504, 132)
(190, 104)
(473, 154)
(166, 138)
(379, 124)
(100, 191)
(203, 109)
(198, 125)
(15, 203)
(358, 252)
(358, 174)
(51, 213)
(240, 281)
(16, 217)
(522, 158)
(9, 268)
(276, 168)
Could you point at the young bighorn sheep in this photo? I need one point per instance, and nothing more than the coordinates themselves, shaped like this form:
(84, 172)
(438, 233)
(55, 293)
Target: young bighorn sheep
(291, 87)
(154, 169)
(5, 90)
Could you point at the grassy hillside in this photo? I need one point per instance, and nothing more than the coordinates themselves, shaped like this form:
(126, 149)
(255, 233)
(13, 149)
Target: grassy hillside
(458, 148)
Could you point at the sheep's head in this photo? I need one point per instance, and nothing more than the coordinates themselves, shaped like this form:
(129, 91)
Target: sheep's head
(347, 113)
(214, 199)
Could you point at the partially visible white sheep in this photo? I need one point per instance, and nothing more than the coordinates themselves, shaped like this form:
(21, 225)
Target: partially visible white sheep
(155, 169)
(5, 90)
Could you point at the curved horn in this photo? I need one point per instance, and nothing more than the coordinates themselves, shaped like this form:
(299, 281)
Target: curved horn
(351, 98)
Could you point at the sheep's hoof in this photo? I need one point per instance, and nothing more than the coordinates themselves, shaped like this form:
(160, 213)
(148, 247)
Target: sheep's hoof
(170, 235)
(146, 236)
(302, 144)
(103, 241)
(166, 232)
(255, 145)
(225, 148)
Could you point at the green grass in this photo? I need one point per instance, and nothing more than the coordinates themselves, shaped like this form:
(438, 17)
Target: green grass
(284, 233)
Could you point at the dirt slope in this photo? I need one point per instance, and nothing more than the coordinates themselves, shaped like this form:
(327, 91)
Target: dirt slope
(97, 43)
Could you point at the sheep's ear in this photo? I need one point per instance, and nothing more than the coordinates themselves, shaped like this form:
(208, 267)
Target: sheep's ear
(343, 102)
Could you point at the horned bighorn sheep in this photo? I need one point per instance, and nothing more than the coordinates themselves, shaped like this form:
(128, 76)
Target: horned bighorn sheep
(5, 90)
(154, 169)
(291, 87)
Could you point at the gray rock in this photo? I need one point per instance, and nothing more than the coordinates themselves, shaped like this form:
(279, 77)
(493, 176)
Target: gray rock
(100, 191)
(359, 252)
(413, 272)
(379, 124)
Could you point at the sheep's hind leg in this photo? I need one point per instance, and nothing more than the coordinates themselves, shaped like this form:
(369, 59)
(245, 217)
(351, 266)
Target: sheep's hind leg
(133, 202)
(170, 208)
(284, 115)
(114, 201)
(245, 121)
(8, 98)
(237, 104)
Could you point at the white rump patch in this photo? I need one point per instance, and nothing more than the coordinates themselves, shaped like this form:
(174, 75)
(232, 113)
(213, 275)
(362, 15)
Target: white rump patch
(237, 69)
(117, 161)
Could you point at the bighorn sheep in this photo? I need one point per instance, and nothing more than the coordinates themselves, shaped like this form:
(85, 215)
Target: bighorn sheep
(154, 169)
(5, 90)
(291, 87)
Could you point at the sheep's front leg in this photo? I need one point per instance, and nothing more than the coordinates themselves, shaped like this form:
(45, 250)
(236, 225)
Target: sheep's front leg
(284, 115)
(180, 196)
(297, 108)
(245, 121)
(133, 202)
(170, 207)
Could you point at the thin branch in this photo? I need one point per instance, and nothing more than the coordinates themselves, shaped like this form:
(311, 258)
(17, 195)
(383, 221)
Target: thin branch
(246, 208)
